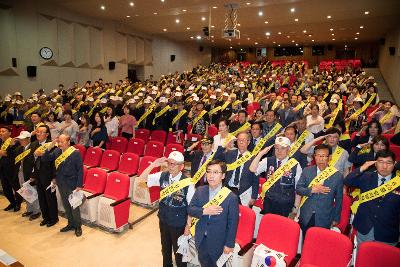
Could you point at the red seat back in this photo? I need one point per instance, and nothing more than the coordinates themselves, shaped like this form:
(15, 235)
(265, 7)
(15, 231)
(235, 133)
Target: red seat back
(145, 162)
(174, 138)
(117, 186)
(82, 150)
(129, 163)
(279, 233)
(396, 150)
(143, 134)
(212, 131)
(95, 180)
(93, 156)
(345, 214)
(159, 136)
(154, 149)
(193, 137)
(323, 247)
(110, 160)
(136, 145)
(119, 144)
(373, 254)
(173, 147)
(259, 201)
(247, 221)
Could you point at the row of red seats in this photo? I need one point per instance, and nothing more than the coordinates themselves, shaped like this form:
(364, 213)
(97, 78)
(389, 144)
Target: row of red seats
(340, 64)
(282, 63)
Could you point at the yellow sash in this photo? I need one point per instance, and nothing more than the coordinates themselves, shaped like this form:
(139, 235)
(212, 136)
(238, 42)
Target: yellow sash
(175, 187)
(262, 142)
(118, 93)
(299, 106)
(160, 113)
(3, 114)
(385, 118)
(136, 91)
(6, 144)
(22, 155)
(18, 122)
(127, 89)
(270, 86)
(379, 191)
(43, 147)
(364, 150)
(319, 179)
(237, 102)
(325, 96)
(58, 110)
(64, 156)
(103, 110)
(299, 89)
(276, 104)
(178, 116)
(197, 88)
(225, 105)
(29, 111)
(277, 175)
(147, 113)
(101, 95)
(196, 120)
(217, 200)
(298, 142)
(240, 161)
(363, 108)
(243, 128)
(344, 137)
(214, 110)
(334, 115)
(336, 155)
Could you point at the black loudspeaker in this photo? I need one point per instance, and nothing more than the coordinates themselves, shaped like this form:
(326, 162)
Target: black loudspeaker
(14, 62)
(172, 58)
(330, 47)
(111, 65)
(392, 50)
(382, 41)
(201, 49)
(31, 71)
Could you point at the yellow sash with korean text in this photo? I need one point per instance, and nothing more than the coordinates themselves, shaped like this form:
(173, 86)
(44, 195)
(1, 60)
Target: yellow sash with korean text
(298, 142)
(385, 118)
(178, 185)
(277, 175)
(214, 110)
(239, 162)
(262, 142)
(29, 111)
(160, 113)
(334, 115)
(196, 120)
(6, 144)
(336, 155)
(43, 147)
(60, 159)
(147, 113)
(22, 155)
(243, 128)
(177, 117)
(202, 170)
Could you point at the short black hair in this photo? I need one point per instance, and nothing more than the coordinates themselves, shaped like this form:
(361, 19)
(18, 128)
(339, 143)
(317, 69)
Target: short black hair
(243, 111)
(45, 126)
(257, 123)
(223, 119)
(220, 163)
(333, 130)
(378, 124)
(321, 147)
(37, 113)
(385, 154)
(67, 112)
(380, 138)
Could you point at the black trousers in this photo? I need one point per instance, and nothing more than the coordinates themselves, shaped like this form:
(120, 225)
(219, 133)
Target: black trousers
(127, 135)
(73, 215)
(307, 225)
(10, 187)
(206, 259)
(47, 202)
(169, 241)
(278, 208)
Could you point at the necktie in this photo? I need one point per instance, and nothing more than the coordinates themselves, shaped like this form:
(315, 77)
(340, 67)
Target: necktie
(237, 173)
(383, 180)
(203, 159)
(279, 163)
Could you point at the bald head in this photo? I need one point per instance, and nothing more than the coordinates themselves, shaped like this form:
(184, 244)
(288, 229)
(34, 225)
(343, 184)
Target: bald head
(64, 141)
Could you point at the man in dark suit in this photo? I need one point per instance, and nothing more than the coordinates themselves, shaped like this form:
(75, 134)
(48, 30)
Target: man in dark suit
(241, 179)
(256, 131)
(324, 201)
(217, 225)
(43, 174)
(24, 162)
(198, 157)
(69, 177)
(181, 123)
(377, 219)
(286, 114)
(242, 119)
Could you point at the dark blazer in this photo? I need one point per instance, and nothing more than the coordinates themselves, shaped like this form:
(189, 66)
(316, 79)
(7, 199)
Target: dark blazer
(359, 140)
(7, 163)
(221, 229)
(322, 204)
(383, 213)
(43, 171)
(70, 171)
(359, 160)
(247, 178)
(28, 162)
(182, 122)
(291, 117)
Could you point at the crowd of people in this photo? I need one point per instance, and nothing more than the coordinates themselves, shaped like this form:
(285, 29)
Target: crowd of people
(314, 136)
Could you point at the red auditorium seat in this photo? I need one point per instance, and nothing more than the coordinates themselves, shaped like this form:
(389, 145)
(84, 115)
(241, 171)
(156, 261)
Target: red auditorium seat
(93, 188)
(376, 254)
(247, 221)
(154, 149)
(174, 138)
(145, 162)
(93, 157)
(345, 214)
(159, 136)
(327, 248)
(279, 233)
(193, 137)
(136, 145)
(143, 134)
(173, 147)
(396, 150)
(212, 131)
(84, 175)
(82, 150)
(114, 204)
(110, 160)
(119, 144)
(128, 164)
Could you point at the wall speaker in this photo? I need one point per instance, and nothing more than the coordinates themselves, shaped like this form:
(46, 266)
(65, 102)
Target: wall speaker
(330, 47)
(172, 58)
(14, 62)
(382, 41)
(201, 48)
(111, 65)
(392, 50)
(31, 71)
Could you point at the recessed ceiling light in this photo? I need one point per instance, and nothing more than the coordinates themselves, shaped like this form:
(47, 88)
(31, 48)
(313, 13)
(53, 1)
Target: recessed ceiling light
(248, 38)
(191, 37)
(292, 41)
(203, 18)
(187, 28)
(332, 34)
(260, 13)
(292, 9)
(357, 33)
(305, 31)
(162, 1)
(274, 42)
(296, 20)
(279, 33)
(366, 12)
(288, 36)
(198, 37)
(102, 7)
(333, 39)
(165, 30)
(177, 21)
(297, 44)
(356, 38)
(345, 45)
(184, 10)
(212, 26)
(329, 17)
(212, 36)
(266, 22)
(131, 4)
(256, 43)
(128, 16)
(248, 3)
(267, 33)
(155, 13)
(212, 41)
(309, 35)
(214, 7)
(238, 24)
(279, 45)
(312, 40)
(136, 15)
(361, 27)
(331, 29)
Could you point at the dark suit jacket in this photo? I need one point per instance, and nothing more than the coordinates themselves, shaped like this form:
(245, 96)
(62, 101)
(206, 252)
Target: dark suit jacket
(247, 178)
(360, 159)
(7, 163)
(291, 117)
(359, 140)
(43, 171)
(182, 122)
(327, 207)
(221, 229)
(383, 213)
(195, 158)
(28, 163)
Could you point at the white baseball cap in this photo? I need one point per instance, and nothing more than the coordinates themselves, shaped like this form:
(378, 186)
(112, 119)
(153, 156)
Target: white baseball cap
(23, 135)
(213, 97)
(178, 94)
(177, 156)
(282, 141)
(333, 100)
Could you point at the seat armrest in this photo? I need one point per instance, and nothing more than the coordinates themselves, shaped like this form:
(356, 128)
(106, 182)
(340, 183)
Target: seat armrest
(246, 248)
(94, 195)
(119, 202)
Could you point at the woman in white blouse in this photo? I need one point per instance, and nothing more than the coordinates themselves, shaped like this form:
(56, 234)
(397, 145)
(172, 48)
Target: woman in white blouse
(315, 122)
(69, 126)
(54, 125)
(223, 133)
(111, 122)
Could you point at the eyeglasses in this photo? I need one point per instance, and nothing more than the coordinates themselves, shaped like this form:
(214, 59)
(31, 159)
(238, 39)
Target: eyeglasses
(213, 172)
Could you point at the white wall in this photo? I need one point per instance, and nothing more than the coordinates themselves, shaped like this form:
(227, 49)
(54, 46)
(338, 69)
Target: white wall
(390, 65)
(82, 48)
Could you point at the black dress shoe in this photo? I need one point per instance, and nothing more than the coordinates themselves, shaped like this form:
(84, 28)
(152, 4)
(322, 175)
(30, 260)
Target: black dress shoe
(9, 207)
(27, 213)
(67, 228)
(34, 216)
(44, 222)
(17, 208)
(50, 224)
(78, 231)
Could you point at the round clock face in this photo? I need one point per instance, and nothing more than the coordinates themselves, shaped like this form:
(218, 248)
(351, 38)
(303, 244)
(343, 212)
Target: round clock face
(46, 53)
